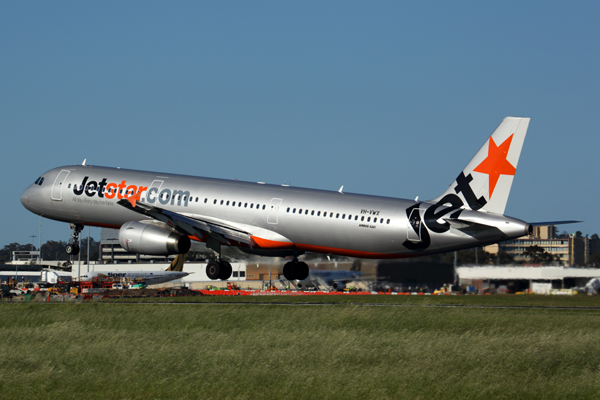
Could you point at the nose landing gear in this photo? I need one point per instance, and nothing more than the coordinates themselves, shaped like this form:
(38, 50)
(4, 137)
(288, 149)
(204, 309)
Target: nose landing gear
(72, 248)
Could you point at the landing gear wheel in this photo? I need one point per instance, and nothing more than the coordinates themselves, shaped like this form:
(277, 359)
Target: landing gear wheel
(289, 271)
(226, 270)
(213, 270)
(302, 271)
(72, 249)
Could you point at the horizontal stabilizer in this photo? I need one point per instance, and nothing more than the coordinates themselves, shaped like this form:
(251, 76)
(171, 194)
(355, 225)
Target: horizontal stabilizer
(553, 223)
(477, 230)
(463, 225)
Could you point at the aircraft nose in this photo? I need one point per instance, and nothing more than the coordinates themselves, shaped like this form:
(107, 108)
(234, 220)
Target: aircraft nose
(27, 198)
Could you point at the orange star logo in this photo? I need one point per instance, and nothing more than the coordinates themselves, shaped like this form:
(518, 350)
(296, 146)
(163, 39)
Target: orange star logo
(496, 163)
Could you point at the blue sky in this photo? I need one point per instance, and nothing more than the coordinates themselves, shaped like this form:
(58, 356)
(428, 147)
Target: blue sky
(385, 98)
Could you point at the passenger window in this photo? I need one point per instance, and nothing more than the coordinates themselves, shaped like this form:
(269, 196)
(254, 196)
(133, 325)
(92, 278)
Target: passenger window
(68, 186)
(388, 221)
(356, 217)
(343, 216)
(251, 205)
(294, 212)
(369, 219)
(312, 212)
(233, 204)
(245, 205)
(318, 213)
(337, 215)
(362, 218)
(305, 212)
(215, 201)
(300, 211)
(263, 206)
(381, 221)
(288, 209)
(330, 215)
(221, 202)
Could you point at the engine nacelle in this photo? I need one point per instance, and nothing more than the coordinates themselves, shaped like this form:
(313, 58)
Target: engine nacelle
(338, 286)
(304, 285)
(137, 237)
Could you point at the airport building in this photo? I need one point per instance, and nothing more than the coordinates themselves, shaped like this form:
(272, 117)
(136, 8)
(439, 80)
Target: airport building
(570, 251)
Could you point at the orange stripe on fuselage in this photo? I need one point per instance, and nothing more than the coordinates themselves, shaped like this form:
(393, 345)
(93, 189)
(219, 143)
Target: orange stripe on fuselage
(273, 244)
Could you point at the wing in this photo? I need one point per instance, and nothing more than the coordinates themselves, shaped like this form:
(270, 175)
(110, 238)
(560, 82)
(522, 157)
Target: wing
(197, 227)
(215, 232)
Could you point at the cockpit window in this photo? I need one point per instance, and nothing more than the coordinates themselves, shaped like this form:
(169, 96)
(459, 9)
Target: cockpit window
(39, 181)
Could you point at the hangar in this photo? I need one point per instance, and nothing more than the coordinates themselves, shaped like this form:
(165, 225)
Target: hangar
(522, 278)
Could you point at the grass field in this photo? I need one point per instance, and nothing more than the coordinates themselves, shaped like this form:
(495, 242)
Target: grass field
(338, 350)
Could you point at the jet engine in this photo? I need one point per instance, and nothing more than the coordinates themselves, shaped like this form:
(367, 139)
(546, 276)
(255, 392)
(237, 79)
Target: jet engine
(138, 237)
(339, 286)
(304, 285)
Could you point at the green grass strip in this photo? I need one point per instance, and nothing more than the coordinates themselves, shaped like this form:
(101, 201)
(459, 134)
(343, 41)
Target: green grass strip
(331, 351)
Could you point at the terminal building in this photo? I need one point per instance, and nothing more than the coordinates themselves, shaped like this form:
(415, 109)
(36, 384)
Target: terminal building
(574, 250)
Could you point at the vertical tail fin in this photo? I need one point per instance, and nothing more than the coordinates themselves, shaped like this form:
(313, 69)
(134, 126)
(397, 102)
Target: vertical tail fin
(177, 264)
(485, 182)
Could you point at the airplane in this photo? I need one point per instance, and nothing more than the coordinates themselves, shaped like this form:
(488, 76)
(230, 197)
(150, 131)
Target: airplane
(147, 277)
(331, 279)
(158, 213)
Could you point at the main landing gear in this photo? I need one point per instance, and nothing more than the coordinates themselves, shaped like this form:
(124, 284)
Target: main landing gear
(295, 270)
(219, 270)
(72, 248)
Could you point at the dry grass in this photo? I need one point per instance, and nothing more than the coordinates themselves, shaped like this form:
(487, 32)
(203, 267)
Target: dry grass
(133, 351)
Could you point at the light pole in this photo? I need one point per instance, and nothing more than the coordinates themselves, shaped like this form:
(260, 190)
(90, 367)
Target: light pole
(32, 237)
(40, 244)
